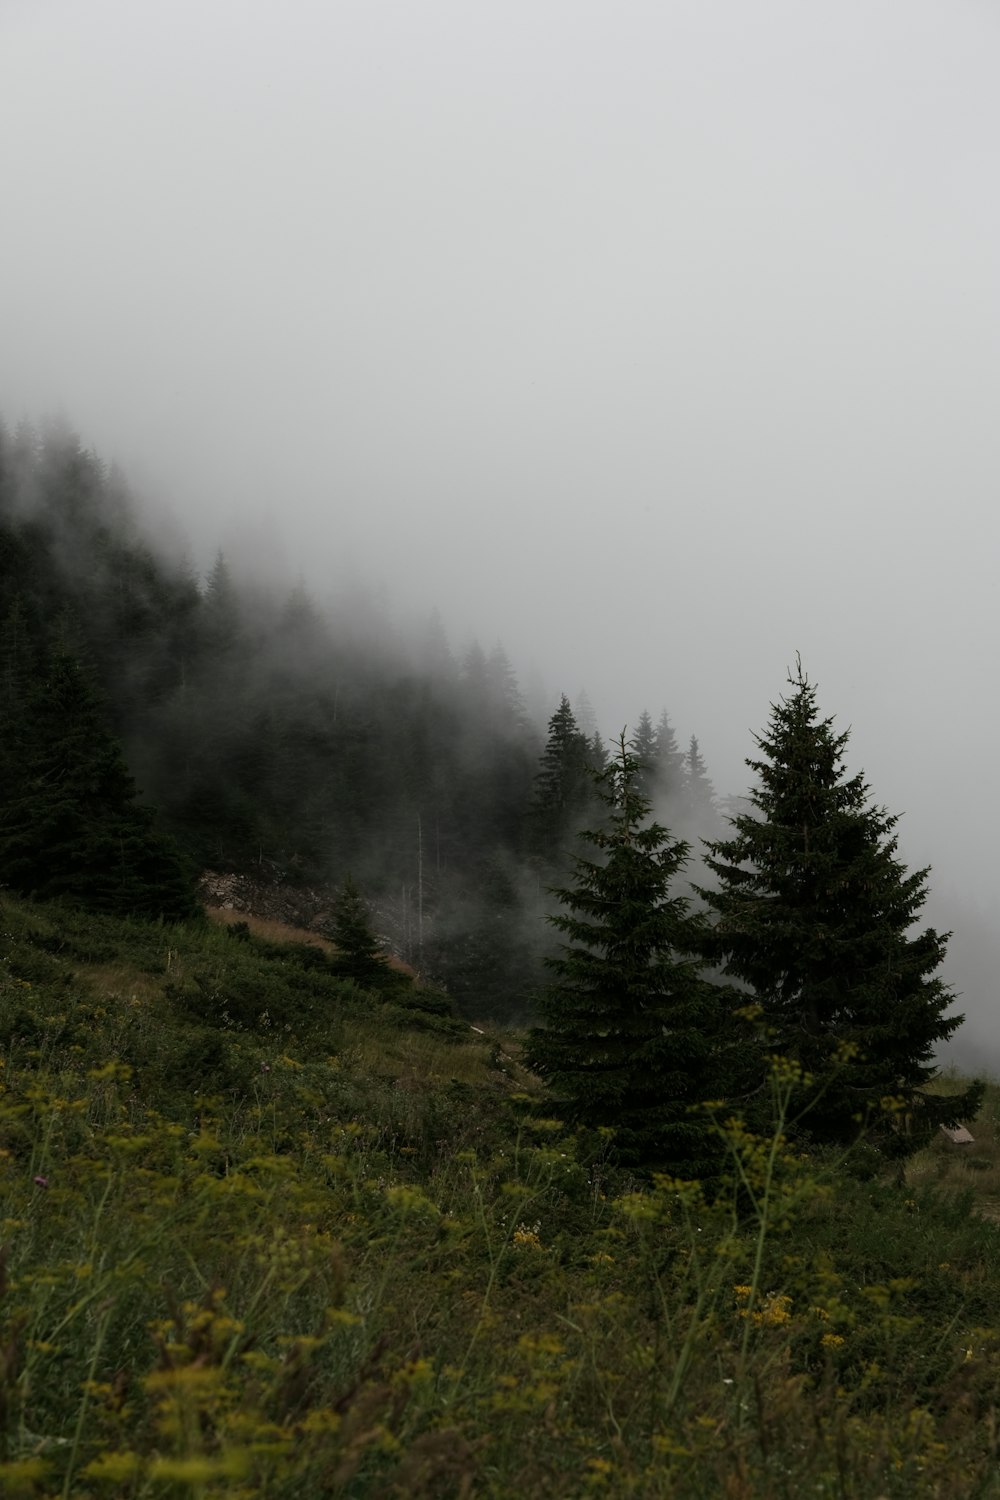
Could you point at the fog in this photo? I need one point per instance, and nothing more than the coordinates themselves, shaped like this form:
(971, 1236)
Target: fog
(659, 341)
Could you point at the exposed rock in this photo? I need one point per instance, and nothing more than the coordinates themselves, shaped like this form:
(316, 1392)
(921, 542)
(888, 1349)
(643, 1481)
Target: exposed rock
(297, 906)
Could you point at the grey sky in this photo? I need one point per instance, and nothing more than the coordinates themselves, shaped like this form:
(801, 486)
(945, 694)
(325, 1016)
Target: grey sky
(659, 340)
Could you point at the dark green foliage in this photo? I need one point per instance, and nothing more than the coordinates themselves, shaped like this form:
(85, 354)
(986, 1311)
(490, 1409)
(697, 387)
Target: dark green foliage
(563, 788)
(70, 824)
(17, 673)
(485, 943)
(669, 758)
(266, 730)
(698, 793)
(815, 914)
(597, 752)
(630, 1038)
(359, 956)
(276, 735)
(644, 749)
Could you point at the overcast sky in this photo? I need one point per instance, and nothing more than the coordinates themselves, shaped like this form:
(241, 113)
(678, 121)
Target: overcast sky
(658, 340)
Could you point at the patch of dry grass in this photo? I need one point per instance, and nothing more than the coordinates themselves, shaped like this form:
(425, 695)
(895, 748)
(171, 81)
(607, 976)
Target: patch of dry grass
(975, 1166)
(281, 932)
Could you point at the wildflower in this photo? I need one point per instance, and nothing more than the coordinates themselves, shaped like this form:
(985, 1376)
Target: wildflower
(40, 1181)
(22, 1474)
(774, 1310)
(114, 1467)
(832, 1340)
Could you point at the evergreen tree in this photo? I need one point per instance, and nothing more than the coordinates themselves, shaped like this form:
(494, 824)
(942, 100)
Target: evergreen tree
(17, 674)
(700, 810)
(669, 758)
(563, 786)
(643, 748)
(220, 609)
(630, 1035)
(359, 954)
(815, 913)
(506, 704)
(70, 824)
(481, 947)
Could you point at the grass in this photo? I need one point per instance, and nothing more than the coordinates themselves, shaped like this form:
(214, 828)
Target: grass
(263, 1236)
(975, 1167)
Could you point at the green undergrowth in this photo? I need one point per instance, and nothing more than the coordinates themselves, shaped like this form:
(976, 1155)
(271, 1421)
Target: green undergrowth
(265, 1236)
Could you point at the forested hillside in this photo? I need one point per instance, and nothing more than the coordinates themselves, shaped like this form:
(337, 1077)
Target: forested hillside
(279, 1219)
(310, 741)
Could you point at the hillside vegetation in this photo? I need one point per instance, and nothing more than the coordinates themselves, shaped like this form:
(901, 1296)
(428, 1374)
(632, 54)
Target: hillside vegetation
(266, 1236)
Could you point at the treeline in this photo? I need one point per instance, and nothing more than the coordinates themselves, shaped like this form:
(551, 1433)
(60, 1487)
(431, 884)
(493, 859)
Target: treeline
(269, 733)
(320, 745)
(798, 986)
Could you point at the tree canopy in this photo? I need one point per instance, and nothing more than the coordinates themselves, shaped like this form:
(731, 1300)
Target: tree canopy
(631, 1033)
(815, 912)
(70, 822)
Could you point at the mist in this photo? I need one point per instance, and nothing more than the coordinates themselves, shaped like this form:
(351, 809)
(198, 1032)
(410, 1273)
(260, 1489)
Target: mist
(658, 342)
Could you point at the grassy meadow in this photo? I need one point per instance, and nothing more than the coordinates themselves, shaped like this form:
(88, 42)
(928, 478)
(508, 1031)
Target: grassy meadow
(264, 1236)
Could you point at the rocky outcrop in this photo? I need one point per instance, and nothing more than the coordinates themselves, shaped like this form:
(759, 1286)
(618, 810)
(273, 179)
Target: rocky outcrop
(296, 906)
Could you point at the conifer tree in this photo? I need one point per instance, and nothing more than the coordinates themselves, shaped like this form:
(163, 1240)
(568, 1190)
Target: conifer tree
(669, 758)
(359, 954)
(220, 608)
(643, 747)
(70, 824)
(630, 1032)
(700, 811)
(563, 786)
(506, 704)
(815, 912)
(17, 673)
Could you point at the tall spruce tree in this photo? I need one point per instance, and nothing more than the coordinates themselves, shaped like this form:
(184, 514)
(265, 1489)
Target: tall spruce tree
(815, 912)
(643, 747)
(669, 758)
(630, 1032)
(563, 786)
(700, 811)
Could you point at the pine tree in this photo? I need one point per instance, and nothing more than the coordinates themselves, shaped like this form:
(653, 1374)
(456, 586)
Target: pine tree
(506, 704)
(220, 609)
(70, 824)
(17, 675)
(700, 811)
(643, 747)
(630, 1035)
(359, 954)
(669, 758)
(563, 786)
(815, 913)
